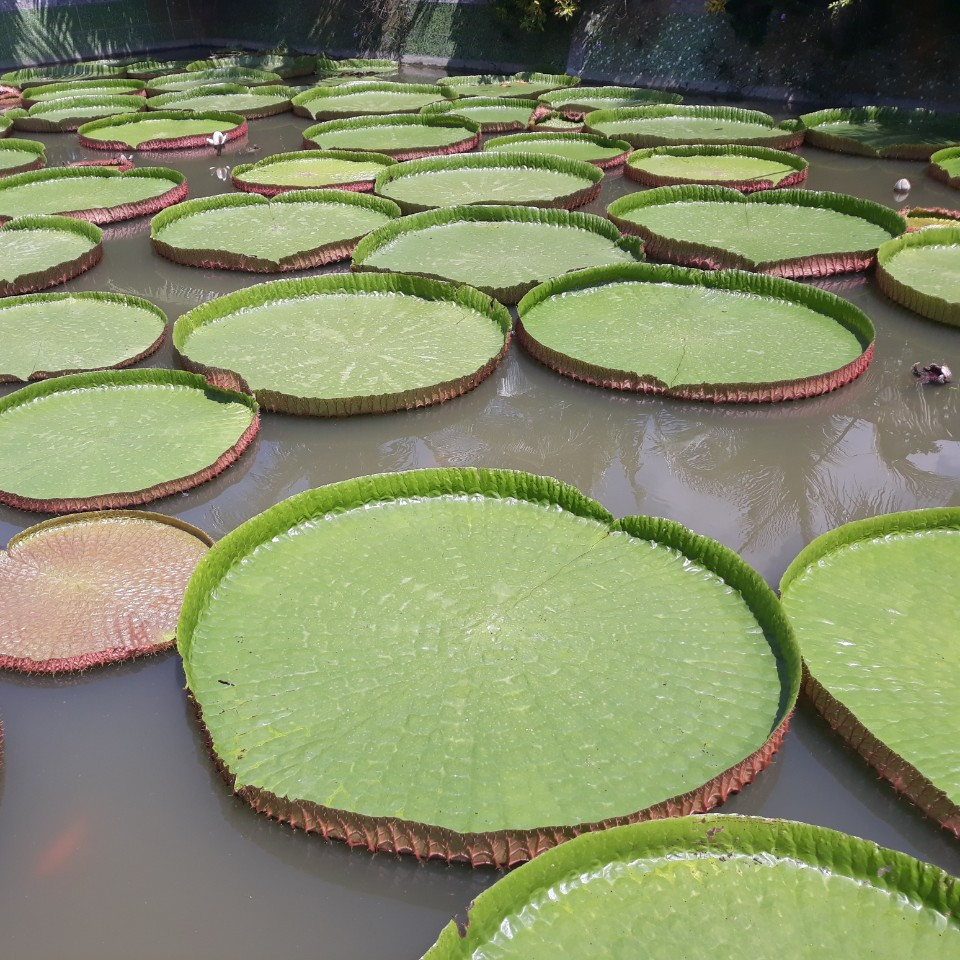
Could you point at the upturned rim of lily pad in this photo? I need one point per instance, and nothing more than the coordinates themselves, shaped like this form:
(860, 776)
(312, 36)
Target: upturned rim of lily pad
(939, 172)
(330, 95)
(363, 184)
(487, 126)
(237, 131)
(563, 136)
(26, 146)
(280, 99)
(35, 119)
(59, 272)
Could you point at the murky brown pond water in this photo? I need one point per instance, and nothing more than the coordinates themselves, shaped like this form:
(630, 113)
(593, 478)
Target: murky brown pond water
(117, 837)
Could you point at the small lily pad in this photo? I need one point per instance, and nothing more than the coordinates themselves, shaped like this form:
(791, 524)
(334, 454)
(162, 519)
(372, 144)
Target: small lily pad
(921, 270)
(526, 85)
(945, 166)
(18, 156)
(40, 252)
(494, 114)
(204, 78)
(313, 169)
(575, 103)
(85, 88)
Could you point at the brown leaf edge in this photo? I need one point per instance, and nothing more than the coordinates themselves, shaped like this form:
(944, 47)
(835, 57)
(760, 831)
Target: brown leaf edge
(224, 382)
(59, 272)
(774, 391)
(274, 401)
(905, 778)
(508, 848)
(87, 661)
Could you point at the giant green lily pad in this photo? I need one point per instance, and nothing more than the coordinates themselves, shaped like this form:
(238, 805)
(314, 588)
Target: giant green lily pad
(204, 78)
(530, 179)
(86, 88)
(746, 169)
(922, 271)
(249, 102)
(676, 125)
(161, 130)
(97, 194)
(50, 334)
(945, 166)
(150, 69)
(401, 136)
(94, 588)
(355, 66)
(579, 101)
(873, 604)
(889, 132)
(345, 344)
(27, 77)
(282, 172)
(360, 99)
(118, 438)
(787, 233)
(526, 85)
(40, 252)
(494, 114)
(587, 147)
(294, 231)
(70, 113)
(494, 581)
(725, 337)
(18, 156)
(284, 65)
(690, 888)
(503, 251)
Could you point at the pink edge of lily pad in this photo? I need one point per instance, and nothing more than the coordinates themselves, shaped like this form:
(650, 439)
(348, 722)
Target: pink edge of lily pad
(177, 143)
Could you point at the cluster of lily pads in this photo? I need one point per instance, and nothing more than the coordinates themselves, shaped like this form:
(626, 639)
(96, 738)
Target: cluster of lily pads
(510, 582)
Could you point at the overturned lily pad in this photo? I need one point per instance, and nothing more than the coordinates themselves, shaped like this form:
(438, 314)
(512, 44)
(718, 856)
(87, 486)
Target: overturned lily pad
(494, 114)
(340, 345)
(685, 887)
(355, 66)
(284, 65)
(401, 136)
(86, 88)
(118, 438)
(360, 99)
(503, 251)
(893, 133)
(786, 233)
(97, 194)
(746, 169)
(40, 252)
(298, 230)
(945, 166)
(342, 169)
(18, 156)
(657, 126)
(161, 130)
(921, 270)
(722, 337)
(249, 102)
(526, 85)
(855, 597)
(518, 581)
(580, 101)
(587, 147)
(529, 179)
(69, 113)
(205, 78)
(94, 588)
(51, 334)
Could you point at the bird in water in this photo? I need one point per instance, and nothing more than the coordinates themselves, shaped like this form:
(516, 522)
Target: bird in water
(936, 373)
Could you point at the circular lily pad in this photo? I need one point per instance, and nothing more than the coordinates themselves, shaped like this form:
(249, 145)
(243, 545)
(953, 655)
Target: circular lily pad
(27, 77)
(149, 69)
(888, 132)
(945, 166)
(204, 78)
(725, 337)
(340, 345)
(161, 130)
(359, 99)
(747, 169)
(921, 270)
(657, 126)
(86, 88)
(294, 231)
(503, 251)
(50, 334)
(282, 172)
(689, 888)
(526, 85)
(587, 147)
(855, 597)
(787, 233)
(18, 156)
(494, 114)
(553, 122)
(579, 101)
(401, 136)
(284, 65)
(94, 588)
(530, 179)
(40, 252)
(70, 113)
(355, 66)
(494, 581)
(118, 438)
(249, 102)
(97, 194)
